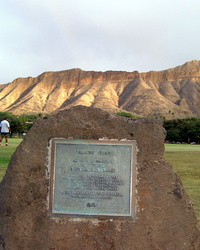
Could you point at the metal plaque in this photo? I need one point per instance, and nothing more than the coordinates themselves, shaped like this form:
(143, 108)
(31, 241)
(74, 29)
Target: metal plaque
(93, 178)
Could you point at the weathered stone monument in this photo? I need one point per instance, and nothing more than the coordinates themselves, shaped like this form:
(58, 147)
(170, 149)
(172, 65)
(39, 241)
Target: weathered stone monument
(88, 179)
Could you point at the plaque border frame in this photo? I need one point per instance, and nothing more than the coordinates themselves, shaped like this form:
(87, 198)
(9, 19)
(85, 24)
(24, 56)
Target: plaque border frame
(133, 177)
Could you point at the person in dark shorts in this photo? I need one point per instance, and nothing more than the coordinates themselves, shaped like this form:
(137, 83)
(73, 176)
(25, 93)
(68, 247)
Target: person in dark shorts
(5, 130)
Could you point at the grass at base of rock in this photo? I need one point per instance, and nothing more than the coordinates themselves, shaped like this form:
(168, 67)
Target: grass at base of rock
(6, 153)
(185, 161)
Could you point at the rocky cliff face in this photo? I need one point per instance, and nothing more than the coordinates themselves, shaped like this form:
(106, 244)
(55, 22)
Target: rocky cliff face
(174, 92)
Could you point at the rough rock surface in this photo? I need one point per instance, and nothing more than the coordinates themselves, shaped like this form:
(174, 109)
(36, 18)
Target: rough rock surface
(173, 93)
(165, 216)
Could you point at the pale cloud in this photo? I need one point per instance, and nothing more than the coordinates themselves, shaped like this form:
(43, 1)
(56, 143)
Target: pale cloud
(143, 35)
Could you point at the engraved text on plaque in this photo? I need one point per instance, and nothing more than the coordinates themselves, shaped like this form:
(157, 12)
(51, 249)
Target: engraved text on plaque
(93, 178)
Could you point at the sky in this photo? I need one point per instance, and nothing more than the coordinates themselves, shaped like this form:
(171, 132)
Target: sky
(96, 35)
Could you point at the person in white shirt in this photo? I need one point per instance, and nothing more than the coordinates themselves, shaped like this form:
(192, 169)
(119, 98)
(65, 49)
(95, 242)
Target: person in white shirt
(5, 130)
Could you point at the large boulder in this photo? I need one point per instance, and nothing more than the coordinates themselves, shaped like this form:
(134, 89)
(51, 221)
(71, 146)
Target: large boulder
(165, 218)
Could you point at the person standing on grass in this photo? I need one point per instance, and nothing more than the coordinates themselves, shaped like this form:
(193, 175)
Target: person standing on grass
(5, 130)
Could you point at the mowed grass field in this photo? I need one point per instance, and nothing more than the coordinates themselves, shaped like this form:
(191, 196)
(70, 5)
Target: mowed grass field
(6, 153)
(184, 158)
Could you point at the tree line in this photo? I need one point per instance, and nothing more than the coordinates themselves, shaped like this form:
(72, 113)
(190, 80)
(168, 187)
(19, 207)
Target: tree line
(19, 123)
(185, 130)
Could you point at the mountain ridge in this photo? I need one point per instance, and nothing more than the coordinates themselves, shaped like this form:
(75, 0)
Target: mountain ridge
(173, 91)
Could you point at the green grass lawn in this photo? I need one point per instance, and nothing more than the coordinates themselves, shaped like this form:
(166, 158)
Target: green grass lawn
(6, 153)
(185, 159)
